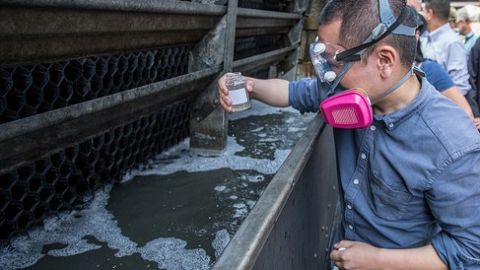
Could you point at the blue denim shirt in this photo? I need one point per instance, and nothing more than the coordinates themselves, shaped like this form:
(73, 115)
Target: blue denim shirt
(412, 178)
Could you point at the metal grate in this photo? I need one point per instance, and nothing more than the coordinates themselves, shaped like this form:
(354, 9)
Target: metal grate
(274, 5)
(61, 180)
(250, 46)
(28, 90)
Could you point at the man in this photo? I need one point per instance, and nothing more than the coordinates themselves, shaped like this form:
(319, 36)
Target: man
(465, 16)
(442, 44)
(410, 180)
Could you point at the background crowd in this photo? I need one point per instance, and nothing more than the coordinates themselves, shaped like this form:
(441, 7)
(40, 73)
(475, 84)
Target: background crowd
(449, 38)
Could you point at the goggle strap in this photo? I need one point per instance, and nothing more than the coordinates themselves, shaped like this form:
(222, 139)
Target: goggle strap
(375, 36)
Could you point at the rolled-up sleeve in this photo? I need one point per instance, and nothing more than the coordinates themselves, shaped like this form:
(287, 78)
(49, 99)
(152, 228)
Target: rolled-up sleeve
(457, 66)
(303, 95)
(454, 199)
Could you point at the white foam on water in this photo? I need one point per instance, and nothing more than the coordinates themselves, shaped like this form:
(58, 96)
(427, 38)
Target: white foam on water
(170, 253)
(222, 238)
(70, 229)
(259, 108)
(295, 129)
(240, 210)
(251, 204)
(180, 159)
(220, 188)
(257, 129)
(256, 178)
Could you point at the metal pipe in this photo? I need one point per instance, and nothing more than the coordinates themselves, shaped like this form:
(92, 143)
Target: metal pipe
(152, 6)
(246, 12)
(230, 35)
(263, 56)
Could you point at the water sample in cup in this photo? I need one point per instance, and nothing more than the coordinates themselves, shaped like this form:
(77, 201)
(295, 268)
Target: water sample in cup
(237, 88)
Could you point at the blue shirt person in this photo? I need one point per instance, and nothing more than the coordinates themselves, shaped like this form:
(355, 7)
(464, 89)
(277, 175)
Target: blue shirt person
(436, 75)
(410, 182)
(411, 178)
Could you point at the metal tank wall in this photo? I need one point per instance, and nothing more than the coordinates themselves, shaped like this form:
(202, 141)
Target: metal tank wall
(92, 88)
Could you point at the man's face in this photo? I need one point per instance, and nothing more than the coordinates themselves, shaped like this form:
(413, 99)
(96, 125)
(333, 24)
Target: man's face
(462, 27)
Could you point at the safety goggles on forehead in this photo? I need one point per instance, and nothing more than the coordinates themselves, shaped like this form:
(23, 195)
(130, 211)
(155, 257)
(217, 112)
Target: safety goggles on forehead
(331, 62)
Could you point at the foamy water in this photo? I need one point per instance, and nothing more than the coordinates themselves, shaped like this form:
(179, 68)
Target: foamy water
(72, 229)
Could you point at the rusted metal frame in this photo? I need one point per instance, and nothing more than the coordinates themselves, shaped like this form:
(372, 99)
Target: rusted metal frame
(52, 49)
(152, 6)
(230, 35)
(35, 22)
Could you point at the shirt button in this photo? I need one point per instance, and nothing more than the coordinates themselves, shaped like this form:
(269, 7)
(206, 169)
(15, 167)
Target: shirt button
(350, 227)
(363, 156)
(349, 207)
(356, 181)
(391, 125)
(373, 128)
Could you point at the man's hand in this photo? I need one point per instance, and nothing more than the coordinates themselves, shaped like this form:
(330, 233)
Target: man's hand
(223, 94)
(355, 255)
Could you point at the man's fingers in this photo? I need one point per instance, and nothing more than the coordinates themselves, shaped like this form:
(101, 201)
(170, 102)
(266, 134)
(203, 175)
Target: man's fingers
(344, 244)
(225, 106)
(249, 85)
(336, 256)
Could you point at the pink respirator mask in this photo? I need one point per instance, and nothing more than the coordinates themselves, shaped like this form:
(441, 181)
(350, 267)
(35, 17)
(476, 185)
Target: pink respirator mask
(351, 109)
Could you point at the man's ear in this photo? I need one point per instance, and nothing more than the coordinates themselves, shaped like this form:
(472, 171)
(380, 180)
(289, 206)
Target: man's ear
(387, 58)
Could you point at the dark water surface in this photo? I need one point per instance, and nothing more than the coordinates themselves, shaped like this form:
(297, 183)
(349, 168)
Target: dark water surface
(177, 212)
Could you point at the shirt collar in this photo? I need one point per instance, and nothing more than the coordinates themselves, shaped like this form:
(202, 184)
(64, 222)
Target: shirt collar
(392, 120)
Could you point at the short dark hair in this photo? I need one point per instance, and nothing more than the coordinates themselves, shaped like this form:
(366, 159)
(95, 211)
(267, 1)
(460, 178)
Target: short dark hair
(441, 8)
(359, 18)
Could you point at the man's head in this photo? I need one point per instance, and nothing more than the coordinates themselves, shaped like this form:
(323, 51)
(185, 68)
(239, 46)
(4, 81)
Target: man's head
(465, 16)
(349, 23)
(436, 10)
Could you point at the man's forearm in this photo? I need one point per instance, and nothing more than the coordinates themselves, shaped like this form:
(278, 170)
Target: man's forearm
(424, 258)
(273, 92)
(454, 94)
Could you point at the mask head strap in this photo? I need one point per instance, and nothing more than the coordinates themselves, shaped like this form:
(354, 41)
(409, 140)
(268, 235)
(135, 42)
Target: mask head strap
(388, 25)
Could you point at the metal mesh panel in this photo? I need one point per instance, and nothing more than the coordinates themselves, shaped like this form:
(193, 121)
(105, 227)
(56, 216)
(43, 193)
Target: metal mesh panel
(60, 180)
(28, 90)
(275, 5)
(250, 46)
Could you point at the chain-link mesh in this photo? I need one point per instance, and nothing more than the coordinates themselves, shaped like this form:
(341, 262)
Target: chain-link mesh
(28, 90)
(274, 5)
(250, 46)
(59, 181)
